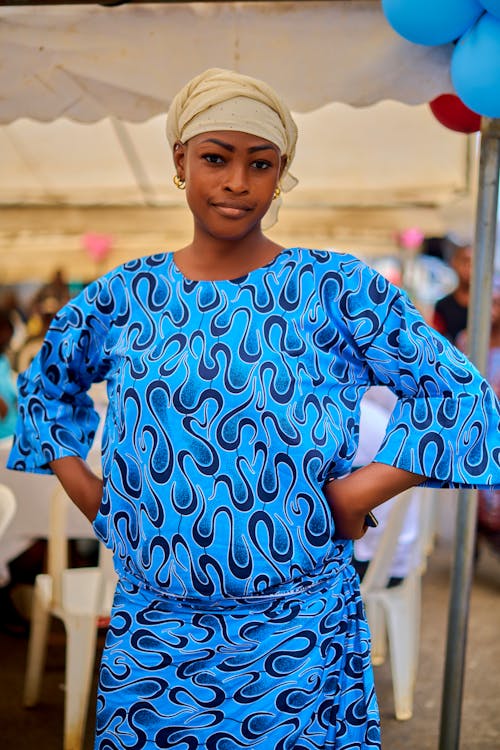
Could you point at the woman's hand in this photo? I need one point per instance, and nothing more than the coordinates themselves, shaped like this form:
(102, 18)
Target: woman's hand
(80, 483)
(353, 497)
(348, 518)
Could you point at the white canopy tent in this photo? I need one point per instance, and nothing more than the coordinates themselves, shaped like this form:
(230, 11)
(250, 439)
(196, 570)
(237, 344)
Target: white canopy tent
(91, 63)
(364, 171)
(86, 63)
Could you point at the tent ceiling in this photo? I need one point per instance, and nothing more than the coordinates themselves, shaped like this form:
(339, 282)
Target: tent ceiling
(89, 62)
(119, 68)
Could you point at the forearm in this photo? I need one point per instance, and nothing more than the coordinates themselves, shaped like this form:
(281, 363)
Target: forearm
(352, 497)
(80, 483)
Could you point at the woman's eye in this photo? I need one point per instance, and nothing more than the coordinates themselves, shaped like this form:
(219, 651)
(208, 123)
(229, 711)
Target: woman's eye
(261, 164)
(213, 158)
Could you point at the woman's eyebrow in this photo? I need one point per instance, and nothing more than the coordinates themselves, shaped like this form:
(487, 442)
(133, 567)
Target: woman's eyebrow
(231, 148)
(264, 147)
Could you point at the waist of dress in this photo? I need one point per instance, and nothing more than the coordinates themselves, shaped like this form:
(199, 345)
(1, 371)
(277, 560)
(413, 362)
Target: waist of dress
(329, 576)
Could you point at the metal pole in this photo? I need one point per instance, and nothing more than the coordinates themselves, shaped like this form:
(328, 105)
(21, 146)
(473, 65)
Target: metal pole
(478, 335)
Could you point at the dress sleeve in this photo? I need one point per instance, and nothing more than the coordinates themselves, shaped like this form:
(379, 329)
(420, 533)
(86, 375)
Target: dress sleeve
(446, 422)
(56, 416)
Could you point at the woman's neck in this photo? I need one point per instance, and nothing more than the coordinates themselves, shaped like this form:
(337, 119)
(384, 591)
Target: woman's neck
(215, 259)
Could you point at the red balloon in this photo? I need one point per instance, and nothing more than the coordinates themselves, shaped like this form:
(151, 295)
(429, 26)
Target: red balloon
(451, 112)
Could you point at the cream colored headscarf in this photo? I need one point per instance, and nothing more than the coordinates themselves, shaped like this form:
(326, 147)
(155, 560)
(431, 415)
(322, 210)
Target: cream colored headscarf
(225, 100)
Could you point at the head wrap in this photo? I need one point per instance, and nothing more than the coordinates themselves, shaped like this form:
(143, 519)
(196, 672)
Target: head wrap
(225, 100)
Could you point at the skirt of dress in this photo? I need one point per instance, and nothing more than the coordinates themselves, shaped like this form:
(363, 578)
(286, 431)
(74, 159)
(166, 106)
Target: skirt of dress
(291, 672)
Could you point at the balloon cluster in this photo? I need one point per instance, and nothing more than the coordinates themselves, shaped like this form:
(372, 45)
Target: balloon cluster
(475, 27)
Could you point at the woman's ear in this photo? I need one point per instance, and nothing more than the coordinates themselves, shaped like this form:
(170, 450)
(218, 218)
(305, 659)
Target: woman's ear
(179, 153)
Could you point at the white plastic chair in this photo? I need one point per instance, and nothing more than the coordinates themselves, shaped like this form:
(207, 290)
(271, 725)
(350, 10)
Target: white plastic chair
(428, 523)
(394, 613)
(7, 507)
(79, 597)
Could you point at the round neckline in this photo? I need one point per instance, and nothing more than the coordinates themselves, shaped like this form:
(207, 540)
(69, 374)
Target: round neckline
(237, 279)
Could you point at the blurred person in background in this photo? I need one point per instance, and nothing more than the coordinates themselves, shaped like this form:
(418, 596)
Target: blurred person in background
(38, 325)
(450, 312)
(49, 298)
(57, 289)
(488, 518)
(8, 393)
(10, 302)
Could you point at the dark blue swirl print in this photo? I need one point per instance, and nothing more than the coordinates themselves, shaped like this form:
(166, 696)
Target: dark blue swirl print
(268, 672)
(237, 623)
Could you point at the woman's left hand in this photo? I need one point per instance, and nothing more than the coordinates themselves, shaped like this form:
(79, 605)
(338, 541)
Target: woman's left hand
(352, 497)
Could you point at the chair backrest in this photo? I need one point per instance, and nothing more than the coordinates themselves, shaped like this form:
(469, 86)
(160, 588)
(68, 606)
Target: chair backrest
(109, 578)
(7, 507)
(429, 500)
(378, 571)
(57, 542)
(57, 553)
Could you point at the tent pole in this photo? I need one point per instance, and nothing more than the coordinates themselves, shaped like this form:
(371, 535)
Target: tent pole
(478, 336)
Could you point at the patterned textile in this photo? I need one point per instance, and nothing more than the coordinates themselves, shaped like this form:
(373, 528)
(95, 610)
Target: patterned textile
(237, 621)
(269, 672)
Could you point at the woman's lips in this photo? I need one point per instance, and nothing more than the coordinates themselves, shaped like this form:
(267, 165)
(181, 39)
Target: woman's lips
(232, 210)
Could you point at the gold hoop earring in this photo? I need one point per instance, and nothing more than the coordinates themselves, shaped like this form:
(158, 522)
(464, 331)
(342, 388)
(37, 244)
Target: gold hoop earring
(179, 182)
(277, 193)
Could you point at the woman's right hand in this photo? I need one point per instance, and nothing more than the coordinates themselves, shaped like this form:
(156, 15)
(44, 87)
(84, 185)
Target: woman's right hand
(80, 483)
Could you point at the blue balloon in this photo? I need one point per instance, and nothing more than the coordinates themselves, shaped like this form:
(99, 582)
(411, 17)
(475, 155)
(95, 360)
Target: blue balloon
(475, 67)
(431, 21)
(492, 6)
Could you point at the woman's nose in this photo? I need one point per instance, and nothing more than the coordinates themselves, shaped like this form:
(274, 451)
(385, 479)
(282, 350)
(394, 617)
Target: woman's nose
(236, 180)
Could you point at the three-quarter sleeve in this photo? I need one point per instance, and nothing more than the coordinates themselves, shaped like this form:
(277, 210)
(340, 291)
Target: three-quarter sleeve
(56, 416)
(446, 422)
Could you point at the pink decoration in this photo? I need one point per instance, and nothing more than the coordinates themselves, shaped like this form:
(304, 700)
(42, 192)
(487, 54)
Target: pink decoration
(411, 238)
(97, 246)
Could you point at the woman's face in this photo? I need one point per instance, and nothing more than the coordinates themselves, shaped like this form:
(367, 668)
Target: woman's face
(230, 180)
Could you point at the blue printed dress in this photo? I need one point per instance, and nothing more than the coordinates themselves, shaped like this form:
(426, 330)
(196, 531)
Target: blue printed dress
(237, 620)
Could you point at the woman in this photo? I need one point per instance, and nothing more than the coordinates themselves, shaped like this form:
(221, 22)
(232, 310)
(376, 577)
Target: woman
(235, 368)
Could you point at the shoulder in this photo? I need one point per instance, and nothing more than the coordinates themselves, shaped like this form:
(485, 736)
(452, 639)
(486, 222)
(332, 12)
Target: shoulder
(121, 279)
(331, 262)
(323, 260)
(339, 275)
(109, 298)
(127, 271)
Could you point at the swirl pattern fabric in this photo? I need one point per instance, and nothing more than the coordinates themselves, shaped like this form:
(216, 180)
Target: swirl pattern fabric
(237, 621)
(280, 672)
